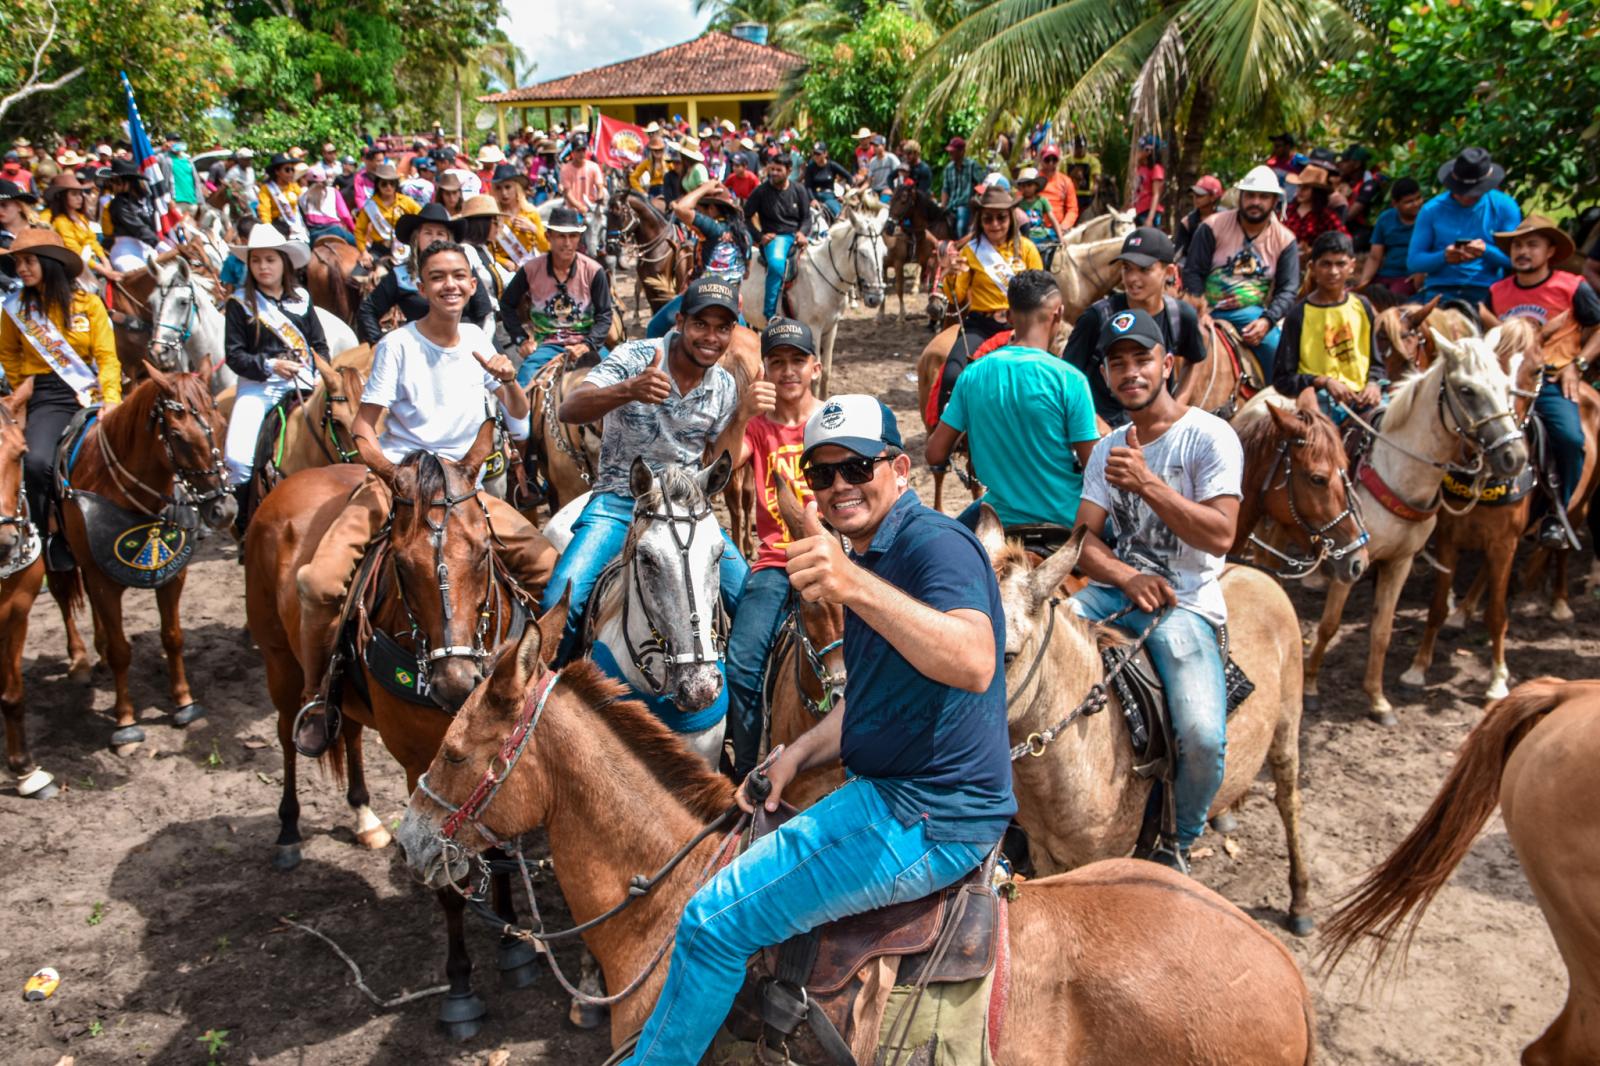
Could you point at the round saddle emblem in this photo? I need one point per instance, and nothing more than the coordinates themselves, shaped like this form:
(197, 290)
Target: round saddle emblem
(149, 547)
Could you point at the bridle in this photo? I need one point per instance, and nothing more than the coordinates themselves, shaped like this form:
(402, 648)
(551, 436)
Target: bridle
(327, 433)
(1465, 428)
(659, 645)
(159, 345)
(191, 496)
(1296, 567)
(808, 656)
(874, 243)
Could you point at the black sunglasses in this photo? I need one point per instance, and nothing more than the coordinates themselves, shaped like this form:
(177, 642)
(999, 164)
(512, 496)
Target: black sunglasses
(856, 471)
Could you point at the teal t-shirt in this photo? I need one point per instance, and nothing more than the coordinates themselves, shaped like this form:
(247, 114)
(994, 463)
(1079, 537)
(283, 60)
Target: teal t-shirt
(1022, 409)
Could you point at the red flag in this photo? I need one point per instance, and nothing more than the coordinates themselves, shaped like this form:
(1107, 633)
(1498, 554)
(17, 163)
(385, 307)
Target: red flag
(618, 144)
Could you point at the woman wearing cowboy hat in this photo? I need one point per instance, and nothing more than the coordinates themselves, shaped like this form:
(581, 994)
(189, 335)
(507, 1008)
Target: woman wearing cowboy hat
(130, 221)
(646, 177)
(400, 287)
(69, 201)
(557, 301)
(271, 337)
(15, 217)
(480, 224)
(380, 215)
(323, 211)
(449, 193)
(977, 271)
(1309, 214)
(489, 157)
(521, 229)
(723, 248)
(1453, 239)
(59, 337)
(279, 195)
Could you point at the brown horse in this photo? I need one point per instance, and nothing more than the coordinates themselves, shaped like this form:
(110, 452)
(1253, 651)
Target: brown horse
(1296, 475)
(661, 262)
(594, 758)
(1079, 799)
(1495, 528)
(440, 577)
(566, 457)
(328, 278)
(928, 227)
(1403, 337)
(1227, 376)
(22, 563)
(743, 361)
(165, 436)
(1534, 753)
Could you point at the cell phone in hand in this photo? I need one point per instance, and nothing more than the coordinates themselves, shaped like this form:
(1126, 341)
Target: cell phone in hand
(1460, 244)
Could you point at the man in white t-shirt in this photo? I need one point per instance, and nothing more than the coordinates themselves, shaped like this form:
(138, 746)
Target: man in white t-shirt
(1169, 483)
(436, 378)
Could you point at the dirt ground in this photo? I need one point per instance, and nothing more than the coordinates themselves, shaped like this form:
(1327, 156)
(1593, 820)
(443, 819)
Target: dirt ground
(147, 882)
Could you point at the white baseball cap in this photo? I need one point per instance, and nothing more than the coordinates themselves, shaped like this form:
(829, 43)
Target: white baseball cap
(863, 424)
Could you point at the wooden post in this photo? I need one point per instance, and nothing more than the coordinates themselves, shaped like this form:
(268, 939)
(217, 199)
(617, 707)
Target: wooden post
(500, 121)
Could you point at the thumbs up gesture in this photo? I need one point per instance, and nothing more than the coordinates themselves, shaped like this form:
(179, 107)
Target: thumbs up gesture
(651, 385)
(1125, 466)
(818, 567)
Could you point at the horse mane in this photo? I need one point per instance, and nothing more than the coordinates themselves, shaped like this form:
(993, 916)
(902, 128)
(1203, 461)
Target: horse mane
(638, 201)
(1014, 557)
(1390, 323)
(1260, 438)
(705, 793)
(1404, 396)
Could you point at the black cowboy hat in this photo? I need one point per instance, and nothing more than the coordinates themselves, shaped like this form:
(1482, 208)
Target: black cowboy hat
(510, 172)
(408, 225)
(10, 190)
(1471, 171)
(126, 168)
(279, 160)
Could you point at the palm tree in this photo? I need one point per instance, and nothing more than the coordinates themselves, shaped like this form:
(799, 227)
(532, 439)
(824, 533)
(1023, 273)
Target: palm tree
(1135, 63)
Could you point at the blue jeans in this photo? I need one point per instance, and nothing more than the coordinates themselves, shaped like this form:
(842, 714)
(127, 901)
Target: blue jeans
(597, 538)
(1565, 429)
(762, 610)
(845, 855)
(1267, 350)
(540, 358)
(776, 255)
(318, 232)
(832, 202)
(1184, 650)
(960, 218)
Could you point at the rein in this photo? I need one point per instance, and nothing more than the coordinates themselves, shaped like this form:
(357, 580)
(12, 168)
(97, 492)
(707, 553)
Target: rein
(127, 482)
(1297, 567)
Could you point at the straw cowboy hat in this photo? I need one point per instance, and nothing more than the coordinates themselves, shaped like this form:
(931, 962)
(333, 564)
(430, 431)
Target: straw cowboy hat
(863, 133)
(70, 158)
(481, 206)
(387, 172)
(490, 154)
(1312, 177)
(44, 243)
(1544, 227)
(267, 237)
(689, 148)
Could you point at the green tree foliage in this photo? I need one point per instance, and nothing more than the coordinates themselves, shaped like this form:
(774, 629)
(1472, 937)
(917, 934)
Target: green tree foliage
(176, 64)
(1519, 78)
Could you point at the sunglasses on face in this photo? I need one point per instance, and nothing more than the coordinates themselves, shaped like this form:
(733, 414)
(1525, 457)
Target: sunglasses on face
(856, 471)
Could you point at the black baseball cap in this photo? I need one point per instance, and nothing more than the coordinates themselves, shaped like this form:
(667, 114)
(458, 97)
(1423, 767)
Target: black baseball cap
(1147, 245)
(709, 291)
(787, 333)
(1129, 325)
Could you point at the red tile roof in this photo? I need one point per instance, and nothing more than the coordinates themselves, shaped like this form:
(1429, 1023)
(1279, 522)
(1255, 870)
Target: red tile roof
(715, 62)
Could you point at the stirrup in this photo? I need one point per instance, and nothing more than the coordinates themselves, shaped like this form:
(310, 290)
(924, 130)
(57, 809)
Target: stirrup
(1168, 853)
(332, 720)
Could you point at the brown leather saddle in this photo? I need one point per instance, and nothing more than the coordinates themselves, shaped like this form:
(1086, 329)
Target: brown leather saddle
(820, 996)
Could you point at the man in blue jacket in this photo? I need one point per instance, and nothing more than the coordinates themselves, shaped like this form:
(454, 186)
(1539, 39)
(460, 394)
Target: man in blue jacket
(1453, 240)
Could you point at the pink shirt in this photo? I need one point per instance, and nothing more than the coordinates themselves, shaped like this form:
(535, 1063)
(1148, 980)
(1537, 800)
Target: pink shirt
(582, 184)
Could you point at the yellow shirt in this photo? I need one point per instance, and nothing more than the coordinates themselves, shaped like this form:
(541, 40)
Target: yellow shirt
(1337, 342)
(975, 290)
(649, 172)
(76, 235)
(268, 207)
(540, 243)
(88, 330)
(403, 205)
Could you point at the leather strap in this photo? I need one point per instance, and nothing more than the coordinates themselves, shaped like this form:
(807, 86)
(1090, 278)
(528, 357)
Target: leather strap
(1392, 501)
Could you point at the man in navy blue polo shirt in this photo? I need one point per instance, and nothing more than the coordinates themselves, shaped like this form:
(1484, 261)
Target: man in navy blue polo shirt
(921, 729)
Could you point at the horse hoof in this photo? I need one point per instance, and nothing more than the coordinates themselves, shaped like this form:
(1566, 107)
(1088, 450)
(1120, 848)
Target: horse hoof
(374, 839)
(461, 1017)
(1497, 691)
(126, 737)
(1561, 611)
(286, 857)
(587, 1015)
(1225, 823)
(1416, 677)
(37, 784)
(519, 964)
(80, 672)
(1311, 702)
(1301, 924)
(1385, 718)
(188, 714)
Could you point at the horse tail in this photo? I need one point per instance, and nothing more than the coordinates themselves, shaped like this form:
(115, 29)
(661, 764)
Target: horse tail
(333, 761)
(1392, 899)
(70, 582)
(1310, 1012)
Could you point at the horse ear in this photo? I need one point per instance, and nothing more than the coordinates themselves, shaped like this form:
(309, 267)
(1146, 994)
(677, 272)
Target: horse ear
(1288, 423)
(640, 479)
(1419, 314)
(515, 672)
(714, 478)
(1307, 401)
(789, 509)
(552, 624)
(991, 534)
(326, 370)
(1445, 345)
(1054, 571)
(157, 375)
(482, 445)
(204, 369)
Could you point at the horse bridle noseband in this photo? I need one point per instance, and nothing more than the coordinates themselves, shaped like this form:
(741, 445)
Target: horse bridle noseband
(476, 651)
(855, 241)
(190, 496)
(1298, 566)
(659, 644)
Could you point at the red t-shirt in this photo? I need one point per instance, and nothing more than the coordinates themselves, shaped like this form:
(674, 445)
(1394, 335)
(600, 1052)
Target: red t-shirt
(774, 453)
(742, 184)
(1144, 185)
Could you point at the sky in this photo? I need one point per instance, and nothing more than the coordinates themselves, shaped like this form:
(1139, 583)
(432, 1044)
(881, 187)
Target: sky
(567, 37)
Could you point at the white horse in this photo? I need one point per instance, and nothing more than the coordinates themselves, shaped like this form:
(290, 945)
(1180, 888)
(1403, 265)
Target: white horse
(1460, 404)
(1100, 227)
(852, 256)
(656, 620)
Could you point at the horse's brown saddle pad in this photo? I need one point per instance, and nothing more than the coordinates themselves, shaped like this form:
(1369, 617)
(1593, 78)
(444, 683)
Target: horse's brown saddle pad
(836, 979)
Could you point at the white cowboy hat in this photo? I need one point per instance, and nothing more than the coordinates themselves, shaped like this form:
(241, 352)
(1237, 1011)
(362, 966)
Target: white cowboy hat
(863, 132)
(654, 127)
(490, 153)
(267, 236)
(1260, 179)
(689, 148)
